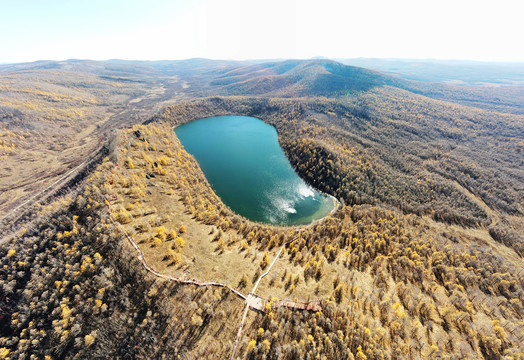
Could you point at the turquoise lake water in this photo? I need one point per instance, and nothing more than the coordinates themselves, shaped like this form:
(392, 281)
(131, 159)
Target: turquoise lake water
(244, 163)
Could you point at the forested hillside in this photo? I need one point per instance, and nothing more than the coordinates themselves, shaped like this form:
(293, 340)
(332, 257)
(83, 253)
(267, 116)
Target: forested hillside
(390, 146)
(299, 78)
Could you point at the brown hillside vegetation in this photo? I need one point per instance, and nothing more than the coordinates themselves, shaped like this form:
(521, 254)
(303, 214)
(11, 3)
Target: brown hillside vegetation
(394, 285)
(73, 288)
(422, 260)
(307, 78)
(50, 124)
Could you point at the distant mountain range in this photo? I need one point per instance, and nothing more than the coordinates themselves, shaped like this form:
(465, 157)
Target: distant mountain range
(452, 71)
(497, 86)
(429, 70)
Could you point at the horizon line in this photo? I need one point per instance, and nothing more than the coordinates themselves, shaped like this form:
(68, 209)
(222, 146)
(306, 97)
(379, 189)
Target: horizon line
(273, 59)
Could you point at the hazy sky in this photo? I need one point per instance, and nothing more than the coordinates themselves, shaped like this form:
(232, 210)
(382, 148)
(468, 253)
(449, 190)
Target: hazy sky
(247, 29)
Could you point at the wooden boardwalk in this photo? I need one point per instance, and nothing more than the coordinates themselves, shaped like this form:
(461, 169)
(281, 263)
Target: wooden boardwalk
(256, 302)
(313, 305)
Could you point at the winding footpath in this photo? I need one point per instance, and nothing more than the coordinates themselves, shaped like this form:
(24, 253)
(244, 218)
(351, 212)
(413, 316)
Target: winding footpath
(169, 277)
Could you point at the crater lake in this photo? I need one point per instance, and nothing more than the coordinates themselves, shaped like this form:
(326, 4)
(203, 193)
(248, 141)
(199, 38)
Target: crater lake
(245, 165)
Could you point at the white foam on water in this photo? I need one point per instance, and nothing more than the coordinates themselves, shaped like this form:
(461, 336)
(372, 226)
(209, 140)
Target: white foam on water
(305, 191)
(284, 206)
(290, 210)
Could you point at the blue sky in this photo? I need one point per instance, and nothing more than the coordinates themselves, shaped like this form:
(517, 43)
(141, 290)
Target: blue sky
(248, 29)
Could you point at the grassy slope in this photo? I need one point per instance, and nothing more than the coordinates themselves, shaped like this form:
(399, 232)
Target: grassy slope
(55, 114)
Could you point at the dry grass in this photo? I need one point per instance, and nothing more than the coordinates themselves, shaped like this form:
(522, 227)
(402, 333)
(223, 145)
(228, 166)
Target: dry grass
(53, 120)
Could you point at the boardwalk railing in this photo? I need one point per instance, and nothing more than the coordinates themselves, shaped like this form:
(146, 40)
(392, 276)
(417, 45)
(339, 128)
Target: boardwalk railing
(312, 305)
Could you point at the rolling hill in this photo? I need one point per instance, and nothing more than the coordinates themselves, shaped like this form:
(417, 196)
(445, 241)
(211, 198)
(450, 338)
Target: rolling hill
(297, 78)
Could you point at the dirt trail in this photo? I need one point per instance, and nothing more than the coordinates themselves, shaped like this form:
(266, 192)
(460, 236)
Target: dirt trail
(493, 215)
(243, 321)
